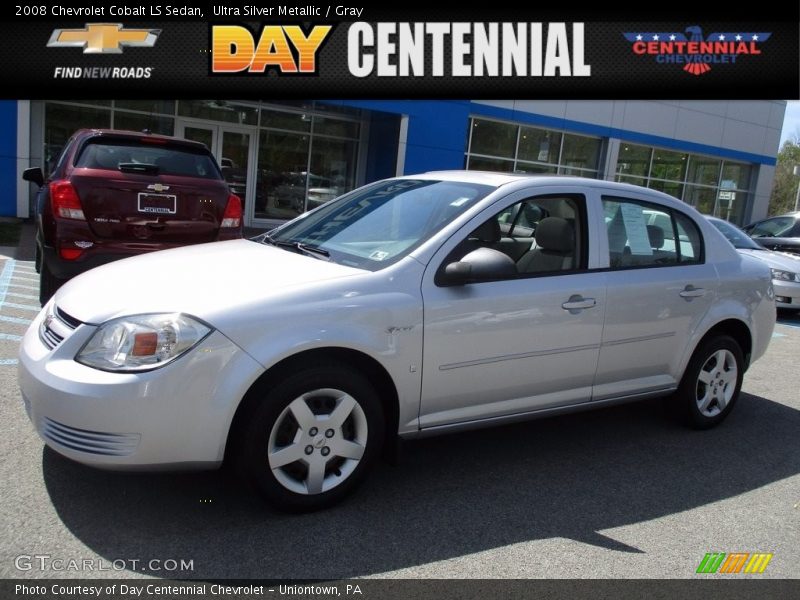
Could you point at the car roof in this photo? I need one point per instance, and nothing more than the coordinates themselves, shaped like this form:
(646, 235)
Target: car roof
(497, 179)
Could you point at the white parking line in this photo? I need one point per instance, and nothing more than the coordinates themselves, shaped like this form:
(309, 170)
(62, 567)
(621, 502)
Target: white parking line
(25, 296)
(15, 320)
(25, 287)
(10, 337)
(22, 306)
(6, 362)
(5, 279)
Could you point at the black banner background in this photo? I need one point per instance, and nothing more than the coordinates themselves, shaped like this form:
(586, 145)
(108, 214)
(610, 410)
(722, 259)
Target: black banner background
(181, 58)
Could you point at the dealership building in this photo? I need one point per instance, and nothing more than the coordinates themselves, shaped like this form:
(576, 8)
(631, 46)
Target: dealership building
(284, 157)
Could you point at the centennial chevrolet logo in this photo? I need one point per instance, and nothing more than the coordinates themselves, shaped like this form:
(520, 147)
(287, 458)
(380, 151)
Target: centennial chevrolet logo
(695, 51)
(103, 38)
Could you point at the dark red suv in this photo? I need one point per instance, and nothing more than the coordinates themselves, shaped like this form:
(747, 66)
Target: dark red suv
(114, 194)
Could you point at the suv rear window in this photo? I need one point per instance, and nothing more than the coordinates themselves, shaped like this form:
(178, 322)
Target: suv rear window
(140, 157)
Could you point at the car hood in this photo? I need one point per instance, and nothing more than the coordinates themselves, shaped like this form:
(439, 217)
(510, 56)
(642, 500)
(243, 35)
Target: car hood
(776, 260)
(206, 280)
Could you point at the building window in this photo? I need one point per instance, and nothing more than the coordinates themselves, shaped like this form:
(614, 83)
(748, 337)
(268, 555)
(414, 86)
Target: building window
(219, 110)
(304, 160)
(508, 147)
(713, 186)
(62, 120)
(306, 152)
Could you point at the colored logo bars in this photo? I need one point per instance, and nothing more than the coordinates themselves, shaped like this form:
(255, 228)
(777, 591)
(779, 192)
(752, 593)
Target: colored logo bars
(735, 562)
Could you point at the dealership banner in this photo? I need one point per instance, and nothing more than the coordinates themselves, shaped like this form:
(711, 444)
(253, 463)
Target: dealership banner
(275, 50)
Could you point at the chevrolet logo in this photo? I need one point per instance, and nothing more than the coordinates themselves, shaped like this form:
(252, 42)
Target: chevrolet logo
(158, 187)
(103, 38)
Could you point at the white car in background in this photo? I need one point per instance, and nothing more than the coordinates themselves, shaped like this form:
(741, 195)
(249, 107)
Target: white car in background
(785, 267)
(413, 306)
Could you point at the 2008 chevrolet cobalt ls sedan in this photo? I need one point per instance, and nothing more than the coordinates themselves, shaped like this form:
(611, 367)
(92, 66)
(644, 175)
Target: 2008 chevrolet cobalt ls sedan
(411, 306)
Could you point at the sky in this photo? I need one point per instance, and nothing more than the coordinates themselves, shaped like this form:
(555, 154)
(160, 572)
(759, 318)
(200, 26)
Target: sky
(791, 122)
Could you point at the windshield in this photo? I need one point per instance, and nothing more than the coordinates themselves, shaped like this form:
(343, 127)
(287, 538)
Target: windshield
(735, 236)
(375, 226)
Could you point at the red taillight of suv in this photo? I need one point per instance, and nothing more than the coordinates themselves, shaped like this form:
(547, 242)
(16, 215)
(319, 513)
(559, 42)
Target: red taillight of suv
(65, 201)
(232, 217)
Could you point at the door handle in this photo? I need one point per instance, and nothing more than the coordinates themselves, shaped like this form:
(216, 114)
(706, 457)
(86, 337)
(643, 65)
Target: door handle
(692, 292)
(578, 302)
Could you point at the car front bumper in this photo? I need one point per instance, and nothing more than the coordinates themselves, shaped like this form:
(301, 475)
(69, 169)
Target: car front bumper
(176, 416)
(787, 294)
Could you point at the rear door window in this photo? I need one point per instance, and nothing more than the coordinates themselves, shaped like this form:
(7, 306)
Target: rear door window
(642, 234)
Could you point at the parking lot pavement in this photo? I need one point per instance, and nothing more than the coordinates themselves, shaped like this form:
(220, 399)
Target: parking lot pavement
(19, 303)
(621, 492)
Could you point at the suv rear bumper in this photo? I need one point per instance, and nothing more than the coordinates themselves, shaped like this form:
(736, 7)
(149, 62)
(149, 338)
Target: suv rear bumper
(101, 253)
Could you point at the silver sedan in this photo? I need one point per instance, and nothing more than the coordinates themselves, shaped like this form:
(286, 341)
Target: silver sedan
(412, 306)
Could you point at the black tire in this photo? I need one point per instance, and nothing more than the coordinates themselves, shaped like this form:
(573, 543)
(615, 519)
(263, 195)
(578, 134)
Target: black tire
(713, 391)
(269, 419)
(48, 284)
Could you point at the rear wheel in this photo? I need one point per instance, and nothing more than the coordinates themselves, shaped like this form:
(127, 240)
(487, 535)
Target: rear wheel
(712, 382)
(48, 284)
(310, 440)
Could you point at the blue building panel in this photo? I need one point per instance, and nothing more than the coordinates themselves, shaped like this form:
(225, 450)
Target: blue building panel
(8, 158)
(437, 130)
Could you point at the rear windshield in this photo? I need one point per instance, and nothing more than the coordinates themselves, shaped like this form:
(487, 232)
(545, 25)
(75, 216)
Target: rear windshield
(157, 159)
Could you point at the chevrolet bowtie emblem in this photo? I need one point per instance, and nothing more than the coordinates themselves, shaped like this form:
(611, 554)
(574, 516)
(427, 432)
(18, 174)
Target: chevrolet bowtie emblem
(103, 38)
(158, 187)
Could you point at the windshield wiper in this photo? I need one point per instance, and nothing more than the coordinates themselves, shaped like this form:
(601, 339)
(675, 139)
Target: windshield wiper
(138, 168)
(307, 249)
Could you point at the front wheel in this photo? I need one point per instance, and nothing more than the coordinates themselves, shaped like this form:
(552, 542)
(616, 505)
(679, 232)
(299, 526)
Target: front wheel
(712, 382)
(311, 439)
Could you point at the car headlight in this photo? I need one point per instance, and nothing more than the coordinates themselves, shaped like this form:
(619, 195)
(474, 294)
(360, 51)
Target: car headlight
(784, 275)
(141, 342)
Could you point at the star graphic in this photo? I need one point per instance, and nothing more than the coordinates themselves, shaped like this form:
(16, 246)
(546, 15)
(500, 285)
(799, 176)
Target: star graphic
(655, 37)
(672, 38)
(755, 37)
(639, 37)
(738, 38)
(721, 37)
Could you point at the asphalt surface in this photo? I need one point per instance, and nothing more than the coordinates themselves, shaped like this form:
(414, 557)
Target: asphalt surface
(621, 492)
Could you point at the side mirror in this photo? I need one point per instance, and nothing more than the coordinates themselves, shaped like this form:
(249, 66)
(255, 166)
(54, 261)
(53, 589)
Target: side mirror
(34, 175)
(483, 264)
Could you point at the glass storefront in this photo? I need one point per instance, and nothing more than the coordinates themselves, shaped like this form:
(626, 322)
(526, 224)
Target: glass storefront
(500, 146)
(281, 158)
(304, 160)
(713, 186)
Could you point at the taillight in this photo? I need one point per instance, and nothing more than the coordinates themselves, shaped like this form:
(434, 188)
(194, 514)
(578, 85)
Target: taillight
(232, 217)
(70, 253)
(65, 201)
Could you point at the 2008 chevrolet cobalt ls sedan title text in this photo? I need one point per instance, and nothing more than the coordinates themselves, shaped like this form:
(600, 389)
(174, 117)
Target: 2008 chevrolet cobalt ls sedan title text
(411, 306)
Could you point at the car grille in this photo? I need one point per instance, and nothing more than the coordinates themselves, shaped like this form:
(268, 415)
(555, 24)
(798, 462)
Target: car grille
(56, 327)
(91, 442)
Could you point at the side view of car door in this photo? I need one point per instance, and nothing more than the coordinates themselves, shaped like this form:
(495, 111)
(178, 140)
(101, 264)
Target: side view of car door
(524, 340)
(659, 289)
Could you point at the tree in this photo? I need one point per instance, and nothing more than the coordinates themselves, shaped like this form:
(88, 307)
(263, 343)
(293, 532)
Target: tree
(785, 188)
